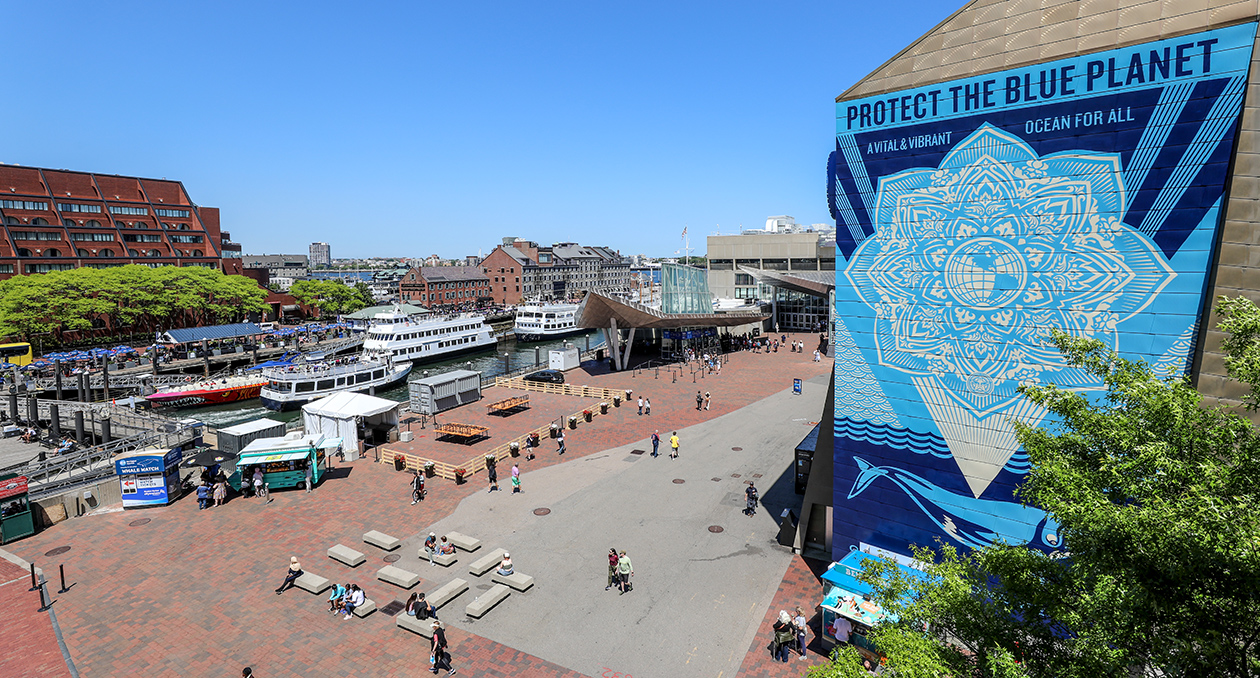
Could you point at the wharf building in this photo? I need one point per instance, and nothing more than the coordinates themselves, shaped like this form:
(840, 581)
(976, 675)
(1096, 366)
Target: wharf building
(1024, 165)
(522, 270)
(55, 220)
(291, 266)
(321, 254)
(437, 287)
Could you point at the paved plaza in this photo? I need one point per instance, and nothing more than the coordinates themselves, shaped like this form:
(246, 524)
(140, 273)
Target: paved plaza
(175, 591)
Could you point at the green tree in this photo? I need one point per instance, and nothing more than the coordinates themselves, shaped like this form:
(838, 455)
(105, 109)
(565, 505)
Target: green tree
(329, 296)
(365, 295)
(1158, 503)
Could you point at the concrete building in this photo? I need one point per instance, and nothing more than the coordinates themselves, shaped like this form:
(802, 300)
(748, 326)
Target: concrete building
(321, 254)
(278, 265)
(440, 286)
(735, 263)
(1145, 113)
(55, 220)
(522, 270)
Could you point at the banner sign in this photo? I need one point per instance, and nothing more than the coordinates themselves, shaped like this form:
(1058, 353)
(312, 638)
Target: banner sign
(975, 216)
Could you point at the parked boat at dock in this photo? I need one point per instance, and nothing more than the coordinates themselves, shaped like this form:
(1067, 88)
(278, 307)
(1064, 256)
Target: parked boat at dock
(209, 392)
(426, 337)
(540, 322)
(291, 387)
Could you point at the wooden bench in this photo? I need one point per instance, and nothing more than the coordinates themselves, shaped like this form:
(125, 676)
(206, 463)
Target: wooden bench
(446, 593)
(463, 541)
(482, 603)
(516, 580)
(490, 561)
(368, 607)
(508, 404)
(346, 555)
(312, 582)
(382, 540)
(461, 430)
(423, 627)
(398, 576)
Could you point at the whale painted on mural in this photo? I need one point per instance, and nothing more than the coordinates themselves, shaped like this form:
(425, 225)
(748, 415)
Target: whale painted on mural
(974, 522)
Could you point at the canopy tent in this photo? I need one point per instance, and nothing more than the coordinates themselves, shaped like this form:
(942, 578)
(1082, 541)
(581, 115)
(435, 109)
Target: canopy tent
(197, 334)
(340, 414)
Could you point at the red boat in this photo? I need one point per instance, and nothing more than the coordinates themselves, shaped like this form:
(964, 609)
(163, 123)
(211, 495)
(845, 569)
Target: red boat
(214, 392)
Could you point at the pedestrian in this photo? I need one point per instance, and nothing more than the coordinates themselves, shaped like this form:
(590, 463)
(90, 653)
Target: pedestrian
(560, 443)
(673, 444)
(625, 571)
(656, 443)
(438, 656)
(516, 479)
(417, 487)
(750, 493)
(613, 578)
(707, 398)
(295, 571)
(640, 406)
(247, 672)
(492, 476)
(699, 401)
(258, 481)
(308, 476)
(203, 495)
(784, 636)
(647, 406)
(802, 625)
(220, 492)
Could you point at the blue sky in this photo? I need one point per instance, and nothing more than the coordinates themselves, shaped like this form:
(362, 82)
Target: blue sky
(406, 129)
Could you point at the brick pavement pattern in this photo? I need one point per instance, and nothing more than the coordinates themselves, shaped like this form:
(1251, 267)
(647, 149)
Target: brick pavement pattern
(191, 592)
(801, 586)
(30, 646)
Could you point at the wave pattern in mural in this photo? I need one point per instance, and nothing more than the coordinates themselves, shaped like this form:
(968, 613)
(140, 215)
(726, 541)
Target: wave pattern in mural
(974, 217)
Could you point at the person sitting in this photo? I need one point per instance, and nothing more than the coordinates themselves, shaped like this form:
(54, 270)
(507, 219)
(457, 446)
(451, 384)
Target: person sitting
(31, 435)
(66, 446)
(354, 598)
(430, 547)
(445, 548)
(410, 609)
(505, 566)
(337, 599)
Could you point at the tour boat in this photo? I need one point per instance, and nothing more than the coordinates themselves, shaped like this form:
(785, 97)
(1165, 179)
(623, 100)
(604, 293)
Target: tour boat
(421, 338)
(540, 322)
(209, 392)
(291, 387)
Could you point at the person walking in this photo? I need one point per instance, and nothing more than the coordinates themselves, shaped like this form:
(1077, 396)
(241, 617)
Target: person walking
(625, 571)
(647, 406)
(802, 626)
(750, 492)
(560, 443)
(707, 399)
(784, 636)
(699, 401)
(203, 496)
(492, 475)
(640, 406)
(613, 578)
(220, 492)
(673, 444)
(295, 571)
(516, 479)
(417, 487)
(656, 443)
(438, 655)
(307, 476)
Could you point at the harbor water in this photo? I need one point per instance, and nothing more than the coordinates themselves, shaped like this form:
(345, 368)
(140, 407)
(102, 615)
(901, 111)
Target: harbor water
(489, 363)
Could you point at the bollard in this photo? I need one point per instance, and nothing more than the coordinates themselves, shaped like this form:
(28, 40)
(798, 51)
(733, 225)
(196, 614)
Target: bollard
(205, 354)
(34, 582)
(78, 427)
(32, 410)
(44, 602)
(62, 568)
(57, 367)
(13, 405)
(537, 355)
(55, 417)
(79, 387)
(105, 437)
(105, 375)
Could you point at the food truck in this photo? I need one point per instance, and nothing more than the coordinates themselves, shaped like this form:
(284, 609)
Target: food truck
(284, 460)
(16, 519)
(149, 477)
(846, 597)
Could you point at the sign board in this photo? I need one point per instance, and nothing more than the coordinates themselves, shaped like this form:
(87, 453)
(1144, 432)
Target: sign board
(13, 487)
(796, 387)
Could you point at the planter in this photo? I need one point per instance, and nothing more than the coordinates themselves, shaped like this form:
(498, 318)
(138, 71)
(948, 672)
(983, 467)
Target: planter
(572, 422)
(555, 430)
(587, 415)
(240, 349)
(514, 448)
(429, 469)
(459, 476)
(603, 408)
(491, 460)
(616, 401)
(400, 462)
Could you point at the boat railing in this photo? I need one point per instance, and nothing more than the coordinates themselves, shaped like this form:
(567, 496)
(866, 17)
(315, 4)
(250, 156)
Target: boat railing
(305, 371)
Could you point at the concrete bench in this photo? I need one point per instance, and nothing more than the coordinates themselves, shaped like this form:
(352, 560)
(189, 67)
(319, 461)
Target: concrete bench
(398, 576)
(346, 555)
(486, 563)
(368, 607)
(443, 560)
(446, 593)
(516, 580)
(463, 541)
(423, 627)
(312, 582)
(382, 540)
(482, 603)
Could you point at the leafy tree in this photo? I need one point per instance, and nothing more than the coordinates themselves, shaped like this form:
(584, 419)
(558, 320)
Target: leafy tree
(1158, 500)
(365, 295)
(329, 296)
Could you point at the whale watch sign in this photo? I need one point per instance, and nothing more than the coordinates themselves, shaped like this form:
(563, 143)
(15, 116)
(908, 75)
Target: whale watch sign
(975, 216)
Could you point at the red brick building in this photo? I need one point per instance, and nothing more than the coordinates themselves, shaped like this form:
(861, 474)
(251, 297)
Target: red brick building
(55, 219)
(438, 286)
(504, 268)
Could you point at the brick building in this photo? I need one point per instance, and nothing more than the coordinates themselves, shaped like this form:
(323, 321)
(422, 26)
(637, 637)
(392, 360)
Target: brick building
(521, 270)
(438, 286)
(56, 220)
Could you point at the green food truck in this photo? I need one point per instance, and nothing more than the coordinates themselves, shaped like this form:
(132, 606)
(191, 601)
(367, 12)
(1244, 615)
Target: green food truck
(16, 519)
(284, 460)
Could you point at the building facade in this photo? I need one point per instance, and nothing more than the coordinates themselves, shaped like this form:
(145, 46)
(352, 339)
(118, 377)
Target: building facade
(1026, 165)
(293, 266)
(321, 254)
(57, 219)
(521, 270)
(444, 286)
(768, 250)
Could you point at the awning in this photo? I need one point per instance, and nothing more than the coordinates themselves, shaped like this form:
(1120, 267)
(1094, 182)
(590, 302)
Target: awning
(596, 310)
(345, 405)
(196, 334)
(330, 443)
(269, 458)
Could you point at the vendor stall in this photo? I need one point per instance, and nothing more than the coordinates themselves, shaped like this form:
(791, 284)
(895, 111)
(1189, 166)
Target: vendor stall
(848, 602)
(16, 519)
(149, 477)
(352, 417)
(284, 460)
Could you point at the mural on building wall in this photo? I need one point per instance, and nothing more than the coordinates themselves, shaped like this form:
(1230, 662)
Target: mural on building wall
(976, 215)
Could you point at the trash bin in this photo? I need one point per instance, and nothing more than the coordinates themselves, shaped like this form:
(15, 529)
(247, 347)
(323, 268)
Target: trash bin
(599, 354)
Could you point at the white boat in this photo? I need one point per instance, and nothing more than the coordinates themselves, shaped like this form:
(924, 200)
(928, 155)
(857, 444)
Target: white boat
(539, 322)
(426, 337)
(290, 387)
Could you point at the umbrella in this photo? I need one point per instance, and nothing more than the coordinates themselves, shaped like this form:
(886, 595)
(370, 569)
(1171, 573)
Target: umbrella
(209, 456)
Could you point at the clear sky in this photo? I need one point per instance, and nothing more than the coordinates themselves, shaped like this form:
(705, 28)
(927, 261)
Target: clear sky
(412, 128)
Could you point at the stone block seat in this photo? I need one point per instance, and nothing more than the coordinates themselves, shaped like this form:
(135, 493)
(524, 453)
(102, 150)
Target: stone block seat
(398, 576)
(446, 560)
(516, 580)
(463, 541)
(423, 627)
(382, 540)
(346, 555)
(446, 593)
(312, 582)
(368, 607)
(487, 562)
(482, 604)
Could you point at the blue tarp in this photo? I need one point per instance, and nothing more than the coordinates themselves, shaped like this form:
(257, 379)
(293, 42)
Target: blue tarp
(844, 573)
(196, 334)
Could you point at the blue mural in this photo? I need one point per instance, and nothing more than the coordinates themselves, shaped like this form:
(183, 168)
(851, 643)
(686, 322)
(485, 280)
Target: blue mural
(975, 216)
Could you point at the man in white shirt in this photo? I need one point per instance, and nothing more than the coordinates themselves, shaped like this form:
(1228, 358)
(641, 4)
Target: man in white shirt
(356, 598)
(841, 628)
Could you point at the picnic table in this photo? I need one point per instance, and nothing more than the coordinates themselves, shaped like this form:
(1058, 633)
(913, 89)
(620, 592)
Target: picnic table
(508, 404)
(461, 430)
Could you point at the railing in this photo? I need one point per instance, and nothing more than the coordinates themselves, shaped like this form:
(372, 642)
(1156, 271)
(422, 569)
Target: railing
(561, 389)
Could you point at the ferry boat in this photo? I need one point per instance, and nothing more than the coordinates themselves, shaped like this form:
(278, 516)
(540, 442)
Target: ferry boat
(211, 392)
(425, 337)
(539, 322)
(291, 387)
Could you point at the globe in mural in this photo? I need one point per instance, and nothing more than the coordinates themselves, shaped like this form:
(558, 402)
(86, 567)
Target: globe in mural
(985, 273)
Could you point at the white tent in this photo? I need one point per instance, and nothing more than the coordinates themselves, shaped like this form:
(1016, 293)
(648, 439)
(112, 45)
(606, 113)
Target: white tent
(339, 415)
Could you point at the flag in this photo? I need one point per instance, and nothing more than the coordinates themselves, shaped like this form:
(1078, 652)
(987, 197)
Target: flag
(684, 232)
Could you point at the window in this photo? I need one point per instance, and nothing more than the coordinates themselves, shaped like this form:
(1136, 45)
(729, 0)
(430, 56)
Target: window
(743, 279)
(92, 223)
(178, 214)
(82, 253)
(183, 227)
(39, 221)
(52, 252)
(139, 211)
(198, 253)
(6, 268)
(153, 253)
(132, 253)
(96, 265)
(93, 237)
(141, 237)
(721, 264)
(186, 238)
(11, 220)
(47, 268)
(305, 386)
(24, 205)
(324, 385)
(119, 224)
(70, 207)
(23, 252)
(107, 252)
(35, 235)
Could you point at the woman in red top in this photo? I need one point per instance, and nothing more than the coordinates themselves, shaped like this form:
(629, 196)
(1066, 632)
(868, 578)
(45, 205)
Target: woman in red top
(612, 569)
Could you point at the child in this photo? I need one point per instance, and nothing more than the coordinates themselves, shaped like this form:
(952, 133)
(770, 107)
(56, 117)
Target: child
(516, 479)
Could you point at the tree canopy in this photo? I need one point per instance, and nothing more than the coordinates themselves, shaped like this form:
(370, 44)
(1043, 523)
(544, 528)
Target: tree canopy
(330, 296)
(1158, 500)
(125, 298)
